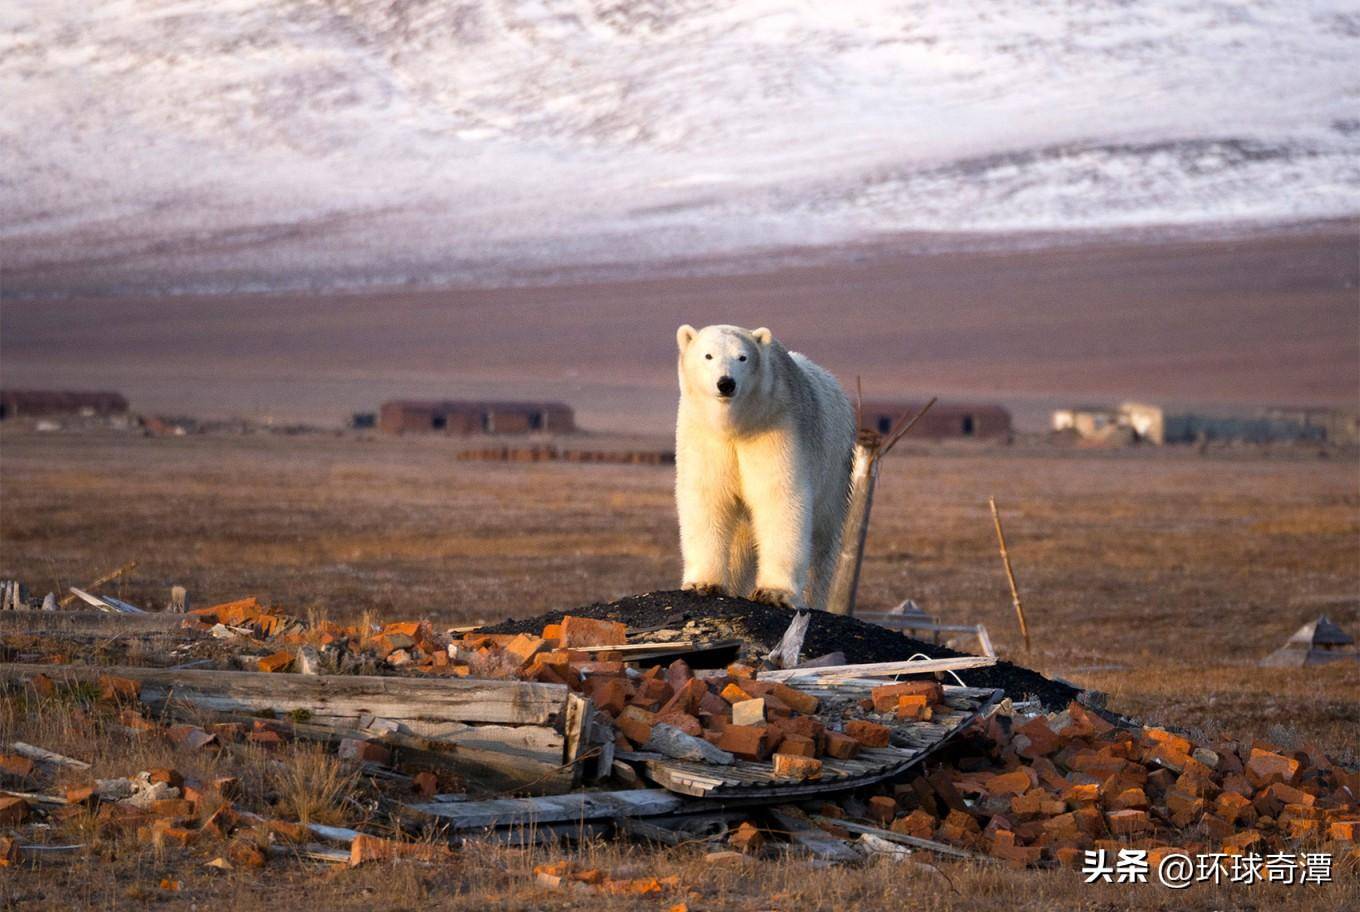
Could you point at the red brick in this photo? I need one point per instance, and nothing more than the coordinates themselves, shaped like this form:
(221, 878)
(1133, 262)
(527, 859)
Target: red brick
(1264, 767)
(688, 724)
(610, 694)
(425, 783)
(365, 751)
(16, 765)
(868, 734)
(796, 766)
(798, 745)
(1035, 739)
(1016, 782)
(1344, 830)
(245, 854)
(1174, 742)
(882, 809)
(1005, 847)
(687, 698)
(794, 698)
(365, 848)
(524, 647)
(747, 838)
(750, 742)
(1128, 822)
(734, 694)
(13, 811)
(841, 746)
(579, 631)
(118, 690)
(277, 662)
(912, 708)
(885, 697)
(636, 724)
(918, 823)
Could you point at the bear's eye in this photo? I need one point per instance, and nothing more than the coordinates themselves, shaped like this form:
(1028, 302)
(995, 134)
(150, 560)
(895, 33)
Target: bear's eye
(708, 357)
(742, 358)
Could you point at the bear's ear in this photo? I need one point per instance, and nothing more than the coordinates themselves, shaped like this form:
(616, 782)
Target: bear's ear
(685, 335)
(763, 336)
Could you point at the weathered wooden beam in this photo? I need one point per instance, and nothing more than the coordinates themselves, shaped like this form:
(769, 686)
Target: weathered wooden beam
(915, 842)
(340, 699)
(840, 597)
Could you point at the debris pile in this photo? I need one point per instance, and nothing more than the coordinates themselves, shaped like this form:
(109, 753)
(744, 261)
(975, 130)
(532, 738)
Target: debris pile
(657, 723)
(1047, 788)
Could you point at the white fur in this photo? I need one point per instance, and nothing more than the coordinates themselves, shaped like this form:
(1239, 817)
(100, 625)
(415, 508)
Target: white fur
(762, 478)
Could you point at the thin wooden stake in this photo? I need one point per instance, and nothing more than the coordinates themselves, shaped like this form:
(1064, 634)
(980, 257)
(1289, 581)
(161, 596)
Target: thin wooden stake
(1010, 574)
(898, 434)
(107, 577)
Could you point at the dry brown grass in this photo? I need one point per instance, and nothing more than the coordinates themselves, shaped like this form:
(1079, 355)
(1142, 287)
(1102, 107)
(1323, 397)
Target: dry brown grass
(1159, 577)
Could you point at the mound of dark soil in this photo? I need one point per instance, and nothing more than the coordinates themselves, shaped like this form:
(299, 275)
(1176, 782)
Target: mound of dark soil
(761, 626)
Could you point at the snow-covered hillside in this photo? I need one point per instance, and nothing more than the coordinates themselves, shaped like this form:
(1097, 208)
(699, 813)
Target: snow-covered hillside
(253, 144)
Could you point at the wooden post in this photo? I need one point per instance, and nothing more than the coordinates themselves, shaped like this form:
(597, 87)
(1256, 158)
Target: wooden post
(870, 447)
(863, 477)
(1010, 574)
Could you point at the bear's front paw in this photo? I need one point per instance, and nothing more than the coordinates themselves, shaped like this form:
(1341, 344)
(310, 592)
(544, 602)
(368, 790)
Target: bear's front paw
(780, 598)
(704, 589)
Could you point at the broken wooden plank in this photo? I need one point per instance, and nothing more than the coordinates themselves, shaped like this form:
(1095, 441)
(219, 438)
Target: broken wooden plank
(43, 755)
(576, 746)
(879, 669)
(106, 578)
(916, 842)
(577, 806)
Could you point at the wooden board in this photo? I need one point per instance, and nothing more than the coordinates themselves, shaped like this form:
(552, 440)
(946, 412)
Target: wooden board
(877, 669)
(912, 742)
(337, 699)
(577, 806)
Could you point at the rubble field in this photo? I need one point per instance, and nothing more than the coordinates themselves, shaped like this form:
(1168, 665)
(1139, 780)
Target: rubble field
(593, 724)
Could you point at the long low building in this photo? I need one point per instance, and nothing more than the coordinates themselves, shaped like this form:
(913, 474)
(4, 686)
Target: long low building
(1133, 422)
(463, 416)
(16, 403)
(944, 421)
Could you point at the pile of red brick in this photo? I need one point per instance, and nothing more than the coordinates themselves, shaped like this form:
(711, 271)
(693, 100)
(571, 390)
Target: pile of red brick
(747, 717)
(167, 809)
(1048, 788)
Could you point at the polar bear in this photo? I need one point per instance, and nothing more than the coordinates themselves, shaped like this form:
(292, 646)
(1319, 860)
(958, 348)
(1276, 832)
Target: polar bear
(763, 443)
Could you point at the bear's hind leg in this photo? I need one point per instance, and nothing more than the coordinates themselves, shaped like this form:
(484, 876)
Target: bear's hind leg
(741, 568)
(825, 556)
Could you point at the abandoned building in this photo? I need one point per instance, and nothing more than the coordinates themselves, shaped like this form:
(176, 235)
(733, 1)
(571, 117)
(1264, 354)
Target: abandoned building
(1133, 422)
(46, 403)
(944, 421)
(453, 416)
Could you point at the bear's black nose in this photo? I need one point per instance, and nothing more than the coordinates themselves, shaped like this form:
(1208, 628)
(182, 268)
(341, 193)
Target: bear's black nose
(726, 386)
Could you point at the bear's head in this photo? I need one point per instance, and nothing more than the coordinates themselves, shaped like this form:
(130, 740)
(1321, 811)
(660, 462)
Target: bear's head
(723, 364)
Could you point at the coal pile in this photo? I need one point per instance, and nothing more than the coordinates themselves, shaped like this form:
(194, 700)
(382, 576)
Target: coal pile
(761, 626)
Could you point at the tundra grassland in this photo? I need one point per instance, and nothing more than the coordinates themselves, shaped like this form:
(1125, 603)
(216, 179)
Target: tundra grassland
(1159, 577)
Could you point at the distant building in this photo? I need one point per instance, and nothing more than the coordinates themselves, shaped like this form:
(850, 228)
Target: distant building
(952, 421)
(472, 417)
(1133, 422)
(360, 421)
(42, 403)
(1089, 421)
